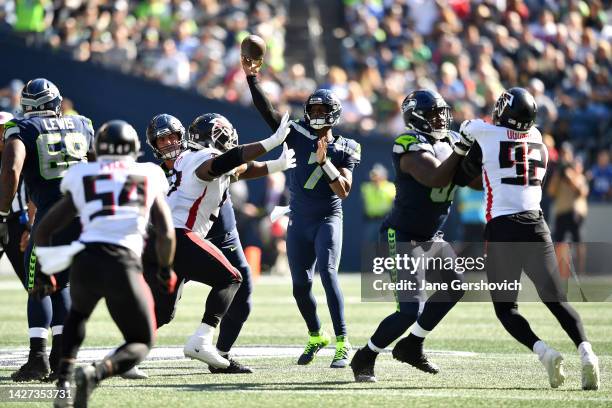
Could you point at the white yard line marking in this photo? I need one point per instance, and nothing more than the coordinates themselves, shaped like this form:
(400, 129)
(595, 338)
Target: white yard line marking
(17, 356)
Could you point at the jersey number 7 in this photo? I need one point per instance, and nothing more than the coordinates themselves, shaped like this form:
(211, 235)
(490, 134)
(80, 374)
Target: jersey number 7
(524, 166)
(133, 193)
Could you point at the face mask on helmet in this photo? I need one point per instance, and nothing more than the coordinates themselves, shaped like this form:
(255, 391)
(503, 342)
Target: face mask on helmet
(172, 149)
(223, 135)
(328, 116)
(434, 122)
(166, 135)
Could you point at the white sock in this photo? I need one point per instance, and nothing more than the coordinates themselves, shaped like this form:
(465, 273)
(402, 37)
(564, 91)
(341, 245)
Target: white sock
(418, 331)
(204, 330)
(41, 332)
(540, 348)
(223, 353)
(59, 329)
(374, 348)
(585, 349)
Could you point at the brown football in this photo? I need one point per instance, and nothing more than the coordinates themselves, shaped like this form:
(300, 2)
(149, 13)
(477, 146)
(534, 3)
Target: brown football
(253, 47)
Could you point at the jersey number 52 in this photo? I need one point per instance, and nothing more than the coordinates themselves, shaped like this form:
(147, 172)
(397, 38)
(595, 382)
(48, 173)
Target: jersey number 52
(518, 155)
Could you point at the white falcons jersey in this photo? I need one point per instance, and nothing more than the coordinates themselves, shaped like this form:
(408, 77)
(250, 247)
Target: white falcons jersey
(114, 198)
(195, 203)
(513, 167)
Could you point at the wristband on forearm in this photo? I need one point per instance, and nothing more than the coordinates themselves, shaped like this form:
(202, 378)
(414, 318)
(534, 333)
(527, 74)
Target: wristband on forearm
(330, 171)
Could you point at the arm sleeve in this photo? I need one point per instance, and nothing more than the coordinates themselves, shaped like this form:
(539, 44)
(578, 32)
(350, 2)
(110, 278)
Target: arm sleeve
(11, 129)
(263, 104)
(470, 167)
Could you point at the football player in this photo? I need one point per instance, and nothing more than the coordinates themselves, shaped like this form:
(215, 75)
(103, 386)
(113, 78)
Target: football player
(319, 183)
(18, 219)
(42, 146)
(425, 166)
(513, 160)
(201, 177)
(113, 197)
(167, 138)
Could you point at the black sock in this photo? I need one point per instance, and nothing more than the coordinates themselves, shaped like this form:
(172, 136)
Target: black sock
(65, 370)
(56, 352)
(369, 353)
(38, 345)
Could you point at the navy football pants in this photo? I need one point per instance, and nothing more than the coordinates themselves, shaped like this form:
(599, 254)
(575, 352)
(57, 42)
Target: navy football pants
(317, 242)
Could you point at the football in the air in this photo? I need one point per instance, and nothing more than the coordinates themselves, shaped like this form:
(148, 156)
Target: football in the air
(253, 47)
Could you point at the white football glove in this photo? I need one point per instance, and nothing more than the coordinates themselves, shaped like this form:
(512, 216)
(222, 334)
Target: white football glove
(279, 136)
(284, 162)
(465, 142)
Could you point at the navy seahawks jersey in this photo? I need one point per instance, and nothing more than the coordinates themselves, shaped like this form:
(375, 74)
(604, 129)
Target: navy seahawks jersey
(53, 144)
(311, 195)
(419, 211)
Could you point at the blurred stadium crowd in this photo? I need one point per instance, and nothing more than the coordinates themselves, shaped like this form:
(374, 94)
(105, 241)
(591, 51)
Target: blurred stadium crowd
(467, 50)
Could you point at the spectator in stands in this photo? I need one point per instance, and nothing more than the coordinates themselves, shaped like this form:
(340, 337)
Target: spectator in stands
(172, 68)
(10, 97)
(377, 195)
(570, 188)
(600, 176)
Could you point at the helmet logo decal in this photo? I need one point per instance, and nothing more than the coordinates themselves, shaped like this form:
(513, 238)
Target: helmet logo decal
(504, 100)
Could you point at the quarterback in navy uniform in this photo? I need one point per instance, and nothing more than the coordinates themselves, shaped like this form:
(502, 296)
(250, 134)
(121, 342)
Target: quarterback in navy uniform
(320, 181)
(425, 167)
(43, 145)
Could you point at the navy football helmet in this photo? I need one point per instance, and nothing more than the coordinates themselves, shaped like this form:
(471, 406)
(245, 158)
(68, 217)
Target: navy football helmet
(330, 101)
(427, 112)
(213, 130)
(41, 95)
(515, 109)
(117, 138)
(165, 125)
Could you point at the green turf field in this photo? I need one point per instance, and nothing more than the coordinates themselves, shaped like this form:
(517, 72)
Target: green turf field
(500, 373)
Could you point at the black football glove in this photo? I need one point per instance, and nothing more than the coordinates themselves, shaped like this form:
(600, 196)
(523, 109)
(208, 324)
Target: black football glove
(44, 285)
(167, 279)
(4, 229)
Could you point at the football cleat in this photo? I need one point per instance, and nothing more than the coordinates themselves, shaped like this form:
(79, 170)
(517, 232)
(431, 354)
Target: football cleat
(134, 373)
(35, 369)
(411, 353)
(342, 355)
(234, 368)
(363, 367)
(590, 372)
(63, 399)
(553, 362)
(315, 343)
(201, 348)
(86, 382)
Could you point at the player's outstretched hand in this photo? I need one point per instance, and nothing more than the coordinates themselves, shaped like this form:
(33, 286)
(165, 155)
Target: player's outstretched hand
(250, 66)
(167, 278)
(284, 162)
(44, 285)
(279, 136)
